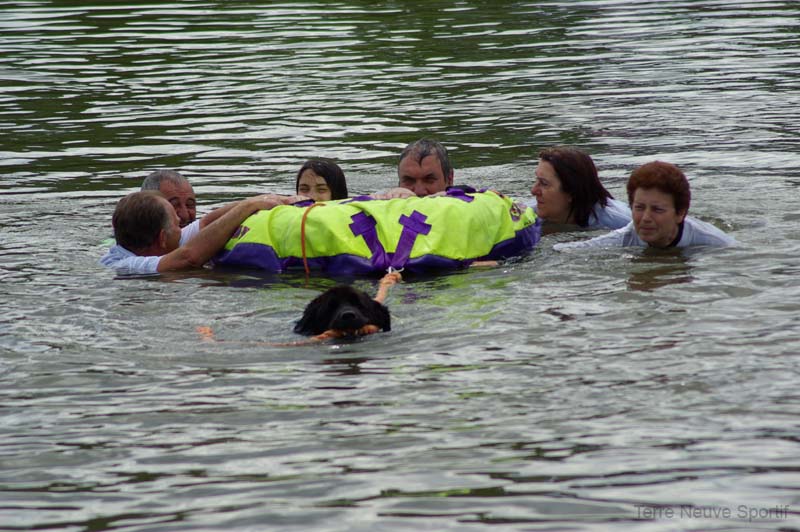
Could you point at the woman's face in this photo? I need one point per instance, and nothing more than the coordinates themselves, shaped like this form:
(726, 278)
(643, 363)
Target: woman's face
(314, 186)
(552, 204)
(654, 217)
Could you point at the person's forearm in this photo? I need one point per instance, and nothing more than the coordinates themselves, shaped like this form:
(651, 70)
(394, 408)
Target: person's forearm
(217, 213)
(393, 193)
(213, 237)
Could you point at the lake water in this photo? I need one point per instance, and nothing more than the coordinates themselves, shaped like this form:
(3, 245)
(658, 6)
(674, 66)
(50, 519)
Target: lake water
(608, 390)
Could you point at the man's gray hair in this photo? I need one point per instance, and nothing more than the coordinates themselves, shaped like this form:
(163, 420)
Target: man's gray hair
(424, 147)
(153, 181)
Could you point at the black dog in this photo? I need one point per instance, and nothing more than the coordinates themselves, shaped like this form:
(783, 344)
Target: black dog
(345, 309)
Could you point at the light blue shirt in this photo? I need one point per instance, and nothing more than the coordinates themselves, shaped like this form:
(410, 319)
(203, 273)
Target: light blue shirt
(125, 261)
(614, 215)
(695, 233)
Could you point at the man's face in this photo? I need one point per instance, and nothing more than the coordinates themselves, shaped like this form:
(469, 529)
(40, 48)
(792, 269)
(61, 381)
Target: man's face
(174, 232)
(182, 199)
(423, 178)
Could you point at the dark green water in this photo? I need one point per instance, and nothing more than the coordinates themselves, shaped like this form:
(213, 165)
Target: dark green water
(560, 392)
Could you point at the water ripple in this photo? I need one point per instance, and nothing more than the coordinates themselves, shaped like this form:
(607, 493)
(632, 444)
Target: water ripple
(556, 392)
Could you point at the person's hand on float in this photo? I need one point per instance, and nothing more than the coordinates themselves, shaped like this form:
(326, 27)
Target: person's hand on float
(282, 199)
(395, 193)
(295, 198)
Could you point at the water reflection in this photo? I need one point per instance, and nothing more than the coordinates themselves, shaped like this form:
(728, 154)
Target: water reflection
(548, 394)
(346, 367)
(656, 268)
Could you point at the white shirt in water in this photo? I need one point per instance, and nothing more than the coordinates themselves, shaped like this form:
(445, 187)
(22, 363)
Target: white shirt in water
(189, 232)
(127, 262)
(614, 215)
(695, 233)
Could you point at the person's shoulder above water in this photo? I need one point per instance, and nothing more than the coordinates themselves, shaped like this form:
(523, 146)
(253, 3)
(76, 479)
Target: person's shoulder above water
(190, 231)
(694, 232)
(615, 215)
(625, 236)
(699, 233)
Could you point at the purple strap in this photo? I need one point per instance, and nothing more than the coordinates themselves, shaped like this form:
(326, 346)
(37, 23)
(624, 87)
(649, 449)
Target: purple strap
(364, 225)
(240, 231)
(412, 226)
(358, 198)
(459, 193)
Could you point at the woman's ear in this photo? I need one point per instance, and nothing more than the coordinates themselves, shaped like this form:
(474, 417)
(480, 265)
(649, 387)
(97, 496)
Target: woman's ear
(682, 215)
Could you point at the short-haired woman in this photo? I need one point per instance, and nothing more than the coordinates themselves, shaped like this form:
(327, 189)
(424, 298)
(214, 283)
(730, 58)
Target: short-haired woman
(659, 197)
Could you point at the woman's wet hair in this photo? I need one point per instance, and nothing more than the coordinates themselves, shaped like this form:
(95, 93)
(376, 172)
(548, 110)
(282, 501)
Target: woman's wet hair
(579, 179)
(665, 177)
(329, 171)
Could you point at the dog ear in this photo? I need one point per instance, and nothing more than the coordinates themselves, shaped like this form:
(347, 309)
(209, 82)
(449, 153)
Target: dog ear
(313, 319)
(303, 326)
(380, 316)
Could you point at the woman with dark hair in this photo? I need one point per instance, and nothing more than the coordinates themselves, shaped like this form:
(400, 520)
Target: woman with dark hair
(659, 196)
(568, 191)
(321, 180)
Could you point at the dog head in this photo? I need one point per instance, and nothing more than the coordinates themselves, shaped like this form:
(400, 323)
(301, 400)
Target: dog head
(342, 308)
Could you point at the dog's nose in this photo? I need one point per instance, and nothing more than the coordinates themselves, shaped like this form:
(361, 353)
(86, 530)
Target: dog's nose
(348, 315)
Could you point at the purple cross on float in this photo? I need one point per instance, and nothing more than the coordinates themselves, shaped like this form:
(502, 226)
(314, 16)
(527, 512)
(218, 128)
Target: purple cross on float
(364, 225)
(240, 232)
(412, 226)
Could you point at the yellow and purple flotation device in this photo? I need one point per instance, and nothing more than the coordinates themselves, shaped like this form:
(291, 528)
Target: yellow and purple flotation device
(362, 235)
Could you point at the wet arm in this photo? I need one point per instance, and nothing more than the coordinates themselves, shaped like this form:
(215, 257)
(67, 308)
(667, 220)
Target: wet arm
(216, 214)
(219, 212)
(213, 237)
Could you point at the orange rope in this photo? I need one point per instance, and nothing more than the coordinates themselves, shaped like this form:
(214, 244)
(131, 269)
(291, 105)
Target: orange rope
(303, 237)
(484, 264)
(207, 335)
(333, 333)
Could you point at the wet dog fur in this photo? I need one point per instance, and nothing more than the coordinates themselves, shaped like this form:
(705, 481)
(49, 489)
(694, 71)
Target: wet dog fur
(342, 308)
